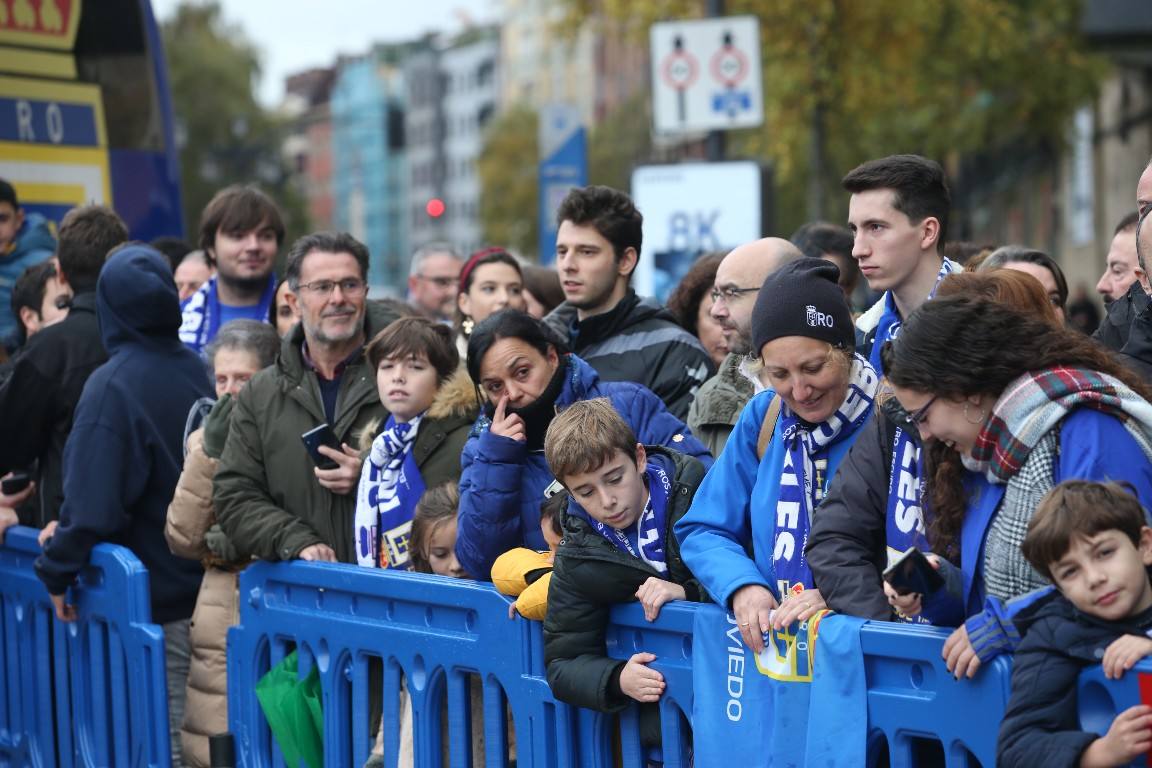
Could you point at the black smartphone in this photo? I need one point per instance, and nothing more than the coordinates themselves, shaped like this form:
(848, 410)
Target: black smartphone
(913, 573)
(314, 438)
(10, 486)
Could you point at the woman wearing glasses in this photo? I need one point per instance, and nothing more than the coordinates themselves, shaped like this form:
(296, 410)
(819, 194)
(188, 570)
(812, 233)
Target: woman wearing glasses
(761, 494)
(1026, 405)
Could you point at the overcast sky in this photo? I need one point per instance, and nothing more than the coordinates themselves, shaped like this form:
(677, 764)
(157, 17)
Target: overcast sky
(298, 34)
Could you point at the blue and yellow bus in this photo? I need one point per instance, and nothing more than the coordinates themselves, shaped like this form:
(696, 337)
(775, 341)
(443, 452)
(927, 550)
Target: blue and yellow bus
(85, 111)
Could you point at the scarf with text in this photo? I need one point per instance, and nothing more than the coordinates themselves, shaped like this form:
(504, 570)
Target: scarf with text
(1036, 402)
(805, 474)
(390, 486)
(200, 314)
(889, 326)
(905, 520)
(649, 527)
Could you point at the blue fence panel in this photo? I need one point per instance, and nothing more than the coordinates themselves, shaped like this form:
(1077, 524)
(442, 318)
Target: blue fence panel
(913, 701)
(89, 693)
(1101, 699)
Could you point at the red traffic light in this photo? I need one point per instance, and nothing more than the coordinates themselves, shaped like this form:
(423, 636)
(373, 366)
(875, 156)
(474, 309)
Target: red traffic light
(435, 207)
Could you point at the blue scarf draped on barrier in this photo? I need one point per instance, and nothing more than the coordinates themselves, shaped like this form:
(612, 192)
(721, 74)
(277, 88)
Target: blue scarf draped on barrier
(889, 326)
(803, 701)
(200, 314)
(390, 486)
(649, 529)
(803, 478)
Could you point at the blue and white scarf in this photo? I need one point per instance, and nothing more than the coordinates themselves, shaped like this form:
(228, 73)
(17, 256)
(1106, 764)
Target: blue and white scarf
(200, 314)
(804, 477)
(889, 326)
(905, 520)
(390, 486)
(650, 526)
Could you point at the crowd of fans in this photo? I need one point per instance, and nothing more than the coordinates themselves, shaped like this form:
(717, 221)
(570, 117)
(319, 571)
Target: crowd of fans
(766, 442)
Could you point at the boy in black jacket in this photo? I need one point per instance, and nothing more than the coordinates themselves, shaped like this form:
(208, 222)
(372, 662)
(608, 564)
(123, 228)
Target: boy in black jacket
(1092, 540)
(617, 547)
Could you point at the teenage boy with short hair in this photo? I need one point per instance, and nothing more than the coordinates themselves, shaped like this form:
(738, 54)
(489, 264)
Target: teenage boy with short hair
(1093, 541)
(617, 547)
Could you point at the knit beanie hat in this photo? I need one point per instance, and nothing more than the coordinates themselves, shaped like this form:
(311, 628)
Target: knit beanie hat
(802, 298)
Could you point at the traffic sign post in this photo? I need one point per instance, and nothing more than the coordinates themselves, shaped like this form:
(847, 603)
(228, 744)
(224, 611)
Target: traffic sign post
(706, 75)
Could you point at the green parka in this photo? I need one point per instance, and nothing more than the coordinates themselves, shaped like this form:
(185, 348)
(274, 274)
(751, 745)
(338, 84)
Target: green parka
(267, 498)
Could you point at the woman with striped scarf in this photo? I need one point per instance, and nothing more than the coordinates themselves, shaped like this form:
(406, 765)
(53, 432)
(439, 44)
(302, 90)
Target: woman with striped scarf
(1026, 405)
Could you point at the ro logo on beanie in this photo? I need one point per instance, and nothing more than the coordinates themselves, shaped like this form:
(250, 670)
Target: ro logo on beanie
(818, 318)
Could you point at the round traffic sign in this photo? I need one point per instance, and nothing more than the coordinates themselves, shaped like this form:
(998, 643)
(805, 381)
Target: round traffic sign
(729, 65)
(679, 70)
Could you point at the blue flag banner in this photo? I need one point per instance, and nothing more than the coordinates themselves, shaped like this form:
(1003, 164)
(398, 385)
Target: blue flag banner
(779, 708)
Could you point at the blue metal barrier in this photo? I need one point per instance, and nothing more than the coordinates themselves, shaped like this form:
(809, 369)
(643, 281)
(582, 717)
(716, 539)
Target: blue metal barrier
(88, 693)
(1101, 699)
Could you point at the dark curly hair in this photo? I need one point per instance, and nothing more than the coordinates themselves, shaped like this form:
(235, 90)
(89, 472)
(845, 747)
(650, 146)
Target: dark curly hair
(684, 303)
(957, 346)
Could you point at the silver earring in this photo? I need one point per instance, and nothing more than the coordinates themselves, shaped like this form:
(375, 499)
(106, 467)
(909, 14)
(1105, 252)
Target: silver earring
(979, 419)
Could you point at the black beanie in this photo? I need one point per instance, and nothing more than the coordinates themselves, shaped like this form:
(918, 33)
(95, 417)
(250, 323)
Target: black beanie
(802, 298)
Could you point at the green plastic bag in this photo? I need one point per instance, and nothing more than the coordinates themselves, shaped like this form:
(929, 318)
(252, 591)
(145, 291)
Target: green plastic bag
(294, 712)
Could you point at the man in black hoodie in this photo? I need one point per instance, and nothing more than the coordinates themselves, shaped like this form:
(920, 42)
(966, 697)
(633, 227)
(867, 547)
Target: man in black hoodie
(125, 453)
(624, 337)
(38, 398)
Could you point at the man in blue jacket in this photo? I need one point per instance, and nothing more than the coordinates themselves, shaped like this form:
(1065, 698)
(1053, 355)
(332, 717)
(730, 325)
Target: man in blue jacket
(124, 454)
(26, 240)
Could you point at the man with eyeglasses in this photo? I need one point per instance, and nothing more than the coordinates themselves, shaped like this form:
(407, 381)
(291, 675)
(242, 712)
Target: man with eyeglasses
(1127, 328)
(718, 402)
(271, 499)
(433, 279)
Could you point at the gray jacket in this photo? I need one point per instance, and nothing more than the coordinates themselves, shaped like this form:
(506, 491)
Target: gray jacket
(718, 403)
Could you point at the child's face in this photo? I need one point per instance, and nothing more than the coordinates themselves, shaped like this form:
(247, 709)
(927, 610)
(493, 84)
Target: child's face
(407, 385)
(614, 492)
(441, 551)
(551, 538)
(1104, 575)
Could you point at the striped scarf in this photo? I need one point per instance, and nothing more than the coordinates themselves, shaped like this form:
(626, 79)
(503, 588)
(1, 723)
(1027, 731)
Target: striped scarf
(1036, 402)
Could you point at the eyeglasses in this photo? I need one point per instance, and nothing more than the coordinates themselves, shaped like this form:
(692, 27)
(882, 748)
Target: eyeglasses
(729, 293)
(440, 282)
(916, 418)
(349, 286)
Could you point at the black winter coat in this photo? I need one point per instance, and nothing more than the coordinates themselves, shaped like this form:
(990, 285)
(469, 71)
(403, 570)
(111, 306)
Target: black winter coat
(638, 341)
(1042, 725)
(1127, 330)
(39, 397)
(590, 576)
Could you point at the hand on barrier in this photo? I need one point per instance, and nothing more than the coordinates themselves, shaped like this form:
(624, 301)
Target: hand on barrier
(345, 478)
(46, 533)
(65, 611)
(654, 592)
(507, 425)
(798, 607)
(641, 682)
(321, 553)
(8, 519)
(752, 606)
(1123, 653)
(1129, 737)
(959, 656)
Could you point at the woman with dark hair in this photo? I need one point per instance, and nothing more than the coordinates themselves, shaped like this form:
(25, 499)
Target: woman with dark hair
(489, 281)
(1026, 405)
(1036, 263)
(542, 291)
(524, 375)
(282, 312)
(691, 304)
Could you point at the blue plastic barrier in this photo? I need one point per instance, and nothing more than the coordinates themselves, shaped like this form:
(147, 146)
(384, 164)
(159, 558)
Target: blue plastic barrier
(1101, 699)
(88, 693)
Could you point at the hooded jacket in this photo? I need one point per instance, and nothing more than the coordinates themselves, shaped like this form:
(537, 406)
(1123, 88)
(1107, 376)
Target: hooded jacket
(638, 341)
(123, 457)
(1041, 726)
(34, 243)
(717, 405)
(590, 576)
(502, 485)
(1127, 329)
(267, 498)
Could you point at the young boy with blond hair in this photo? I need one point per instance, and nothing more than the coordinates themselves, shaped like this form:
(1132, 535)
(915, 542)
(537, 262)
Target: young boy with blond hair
(1093, 542)
(617, 547)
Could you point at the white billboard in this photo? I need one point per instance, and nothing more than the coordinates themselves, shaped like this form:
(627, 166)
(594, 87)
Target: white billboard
(689, 209)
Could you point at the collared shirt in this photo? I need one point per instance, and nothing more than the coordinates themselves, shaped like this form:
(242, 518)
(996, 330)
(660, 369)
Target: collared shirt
(329, 388)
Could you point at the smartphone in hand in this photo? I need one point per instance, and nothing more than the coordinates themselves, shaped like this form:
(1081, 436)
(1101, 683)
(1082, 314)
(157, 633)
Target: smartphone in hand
(913, 573)
(10, 486)
(314, 438)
